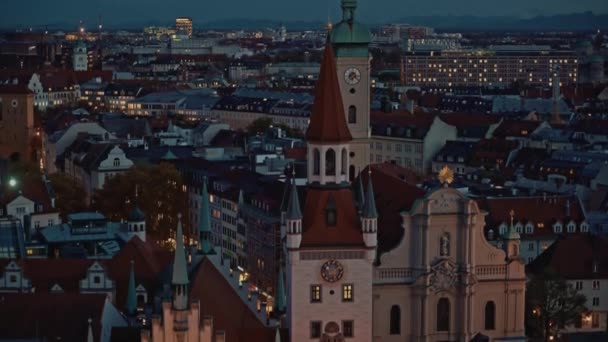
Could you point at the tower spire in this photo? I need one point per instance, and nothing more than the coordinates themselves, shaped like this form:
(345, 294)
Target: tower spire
(131, 295)
(90, 331)
(359, 193)
(293, 207)
(369, 210)
(180, 271)
(205, 243)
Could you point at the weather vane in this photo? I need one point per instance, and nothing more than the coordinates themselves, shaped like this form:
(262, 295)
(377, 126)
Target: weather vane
(446, 176)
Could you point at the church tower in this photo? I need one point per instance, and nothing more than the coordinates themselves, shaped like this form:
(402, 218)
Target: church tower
(330, 251)
(79, 57)
(350, 41)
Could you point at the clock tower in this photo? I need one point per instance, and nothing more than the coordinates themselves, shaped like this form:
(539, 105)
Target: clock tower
(330, 245)
(350, 41)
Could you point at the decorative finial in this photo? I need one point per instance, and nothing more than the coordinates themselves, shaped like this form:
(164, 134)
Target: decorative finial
(293, 170)
(179, 216)
(512, 214)
(446, 176)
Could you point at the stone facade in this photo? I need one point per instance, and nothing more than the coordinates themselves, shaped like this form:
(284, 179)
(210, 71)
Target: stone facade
(444, 279)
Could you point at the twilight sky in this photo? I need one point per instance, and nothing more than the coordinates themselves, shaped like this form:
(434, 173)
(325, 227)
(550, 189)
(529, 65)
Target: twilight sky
(39, 12)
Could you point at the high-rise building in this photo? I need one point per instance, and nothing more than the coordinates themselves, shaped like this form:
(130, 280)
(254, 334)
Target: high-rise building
(184, 24)
(493, 67)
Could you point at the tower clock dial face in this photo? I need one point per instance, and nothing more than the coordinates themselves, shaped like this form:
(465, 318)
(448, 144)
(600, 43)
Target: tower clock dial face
(332, 271)
(14, 103)
(352, 76)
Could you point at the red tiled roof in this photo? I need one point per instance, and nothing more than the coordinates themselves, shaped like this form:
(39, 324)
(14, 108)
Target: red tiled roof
(50, 316)
(395, 190)
(219, 300)
(461, 120)
(327, 122)
(511, 128)
(573, 256)
(33, 190)
(316, 231)
(149, 262)
(15, 90)
(45, 273)
(532, 209)
(403, 118)
(298, 153)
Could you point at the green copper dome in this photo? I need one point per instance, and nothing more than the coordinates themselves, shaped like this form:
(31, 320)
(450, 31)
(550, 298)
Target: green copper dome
(351, 32)
(349, 37)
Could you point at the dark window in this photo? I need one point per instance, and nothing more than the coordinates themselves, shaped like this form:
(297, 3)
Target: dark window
(12, 278)
(316, 161)
(351, 173)
(352, 114)
(330, 162)
(344, 158)
(490, 315)
(315, 329)
(395, 328)
(330, 211)
(443, 315)
(96, 279)
(315, 293)
(348, 328)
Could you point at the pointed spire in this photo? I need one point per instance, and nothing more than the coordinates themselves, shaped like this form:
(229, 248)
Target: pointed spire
(359, 193)
(328, 121)
(369, 209)
(241, 197)
(90, 331)
(180, 272)
(131, 294)
(280, 298)
(512, 234)
(293, 207)
(277, 336)
(205, 244)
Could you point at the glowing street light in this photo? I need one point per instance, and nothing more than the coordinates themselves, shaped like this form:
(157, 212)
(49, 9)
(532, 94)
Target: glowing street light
(12, 182)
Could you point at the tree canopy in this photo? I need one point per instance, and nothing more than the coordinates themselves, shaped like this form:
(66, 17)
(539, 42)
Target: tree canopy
(552, 303)
(160, 195)
(69, 194)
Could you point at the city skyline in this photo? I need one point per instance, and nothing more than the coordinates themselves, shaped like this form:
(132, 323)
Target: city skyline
(62, 12)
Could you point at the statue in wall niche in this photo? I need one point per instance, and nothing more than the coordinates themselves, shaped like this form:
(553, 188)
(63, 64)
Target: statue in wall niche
(445, 245)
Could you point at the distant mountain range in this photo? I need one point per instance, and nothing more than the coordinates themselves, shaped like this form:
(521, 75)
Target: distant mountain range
(585, 21)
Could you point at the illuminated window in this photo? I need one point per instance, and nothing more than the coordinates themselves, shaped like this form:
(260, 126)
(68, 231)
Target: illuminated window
(347, 293)
(315, 293)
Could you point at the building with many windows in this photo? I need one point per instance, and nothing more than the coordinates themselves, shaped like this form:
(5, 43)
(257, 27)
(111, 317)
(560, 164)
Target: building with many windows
(493, 67)
(184, 24)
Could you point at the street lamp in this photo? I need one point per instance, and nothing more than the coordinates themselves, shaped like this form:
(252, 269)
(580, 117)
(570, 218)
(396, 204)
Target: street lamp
(12, 182)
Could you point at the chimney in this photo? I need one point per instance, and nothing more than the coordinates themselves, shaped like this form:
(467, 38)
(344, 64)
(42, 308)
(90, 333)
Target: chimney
(568, 208)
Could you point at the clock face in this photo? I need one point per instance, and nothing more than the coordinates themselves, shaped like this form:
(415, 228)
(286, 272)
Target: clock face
(332, 271)
(352, 76)
(14, 103)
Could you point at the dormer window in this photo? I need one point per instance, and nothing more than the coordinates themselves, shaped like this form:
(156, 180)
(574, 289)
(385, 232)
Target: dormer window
(584, 227)
(330, 212)
(519, 228)
(502, 229)
(529, 228)
(557, 228)
(571, 227)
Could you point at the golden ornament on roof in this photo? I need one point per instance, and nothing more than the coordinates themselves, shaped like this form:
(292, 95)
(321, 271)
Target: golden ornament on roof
(446, 176)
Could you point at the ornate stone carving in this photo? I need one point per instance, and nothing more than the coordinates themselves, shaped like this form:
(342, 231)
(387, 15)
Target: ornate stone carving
(443, 276)
(445, 245)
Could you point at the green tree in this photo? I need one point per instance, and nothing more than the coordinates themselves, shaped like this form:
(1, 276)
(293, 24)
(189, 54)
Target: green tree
(551, 303)
(69, 194)
(160, 196)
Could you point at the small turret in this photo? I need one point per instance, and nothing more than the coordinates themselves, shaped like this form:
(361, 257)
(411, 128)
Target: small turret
(180, 271)
(512, 240)
(293, 218)
(369, 216)
(136, 223)
(131, 305)
(205, 243)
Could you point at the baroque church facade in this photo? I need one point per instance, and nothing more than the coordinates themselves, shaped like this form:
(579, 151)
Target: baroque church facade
(442, 281)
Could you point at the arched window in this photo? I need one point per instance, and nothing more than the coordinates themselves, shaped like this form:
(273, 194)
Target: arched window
(316, 157)
(395, 328)
(330, 162)
(443, 314)
(351, 173)
(490, 315)
(116, 162)
(344, 158)
(352, 114)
